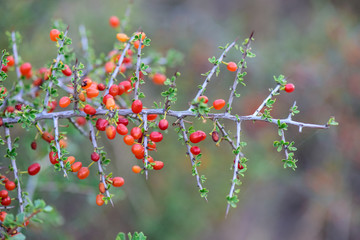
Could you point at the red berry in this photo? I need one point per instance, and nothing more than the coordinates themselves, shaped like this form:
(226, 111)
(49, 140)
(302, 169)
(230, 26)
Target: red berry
(67, 71)
(127, 86)
(195, 150)
(6, 201)
(158, 165)
(118, 181)
(159, 78)
(106, 97)
(163, 124)
(2, 216)
(123, 120)
(11, 61)
(10, 185)
(81, 121)
(156, 136)
(101, 87)
(4, 68)
(114, 21)
(137, 106)
(102, 187)
(54, 34)
(151, 117)
(114, 90)
(122, 129)
(54, 158)
(34, 169)
(197, 136)
(203, 98)
(121, 89)
(231, 66)
(47, 137)
(110, 132)
(83, 173)
(89, 110)
(18, 106)
(95, 156)
(289, 87)
(101, 124)
(219, 104)
(215, 136)
(4, 193)
(137, 149)
(136, 132)
(25, 69)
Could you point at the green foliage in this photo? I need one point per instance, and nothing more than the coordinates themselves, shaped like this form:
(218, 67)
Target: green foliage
(135, 236)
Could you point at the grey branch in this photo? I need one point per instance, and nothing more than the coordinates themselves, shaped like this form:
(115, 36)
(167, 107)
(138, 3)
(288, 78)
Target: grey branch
(238, 72)
(144, 116)
(137, 73)
(192, 158)
(207, 79)
(238, 131)
(101, 171)
(15, 169)
(276, 89)
(59, 56)
(57, 143)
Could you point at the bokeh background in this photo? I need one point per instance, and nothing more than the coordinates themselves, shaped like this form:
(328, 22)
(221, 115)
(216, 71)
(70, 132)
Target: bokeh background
(314, 43)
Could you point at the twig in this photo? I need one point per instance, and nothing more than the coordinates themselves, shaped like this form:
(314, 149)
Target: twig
(144, 116)
(47, 96)
(126, 16)
(238, 72)
(101, 171)
(138, 62)
(16, 60)
(116, 70)
(56, 127)
(13, 164)
(276, 89)
(78, 127)
(238, 131)
(75, 85)
(192, 158)
(207, 79)
(85, 46)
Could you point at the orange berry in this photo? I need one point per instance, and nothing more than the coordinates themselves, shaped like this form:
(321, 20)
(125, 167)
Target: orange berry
(136, 169)
(219, 104)
(102, 187)
(122, 37)
(70, 159)
(64, 102)
(205, 99)
(159, 78)
(231, 66)
(76, 166)
(92, 93)
(110, 103)
(143, 35)
(82, 97)
(99, 200)
(137, 44)
(83, 173)
(86, 83)
(109, 67)
(114, 21)
(129, 140)
(118, 181)
(62, 143)
(54, 35)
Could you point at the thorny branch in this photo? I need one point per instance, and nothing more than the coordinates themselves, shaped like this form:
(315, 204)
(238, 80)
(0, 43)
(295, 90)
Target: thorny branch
(57, 143)
(15, 169)
(101, 171)
(192, 158)
(137, 69)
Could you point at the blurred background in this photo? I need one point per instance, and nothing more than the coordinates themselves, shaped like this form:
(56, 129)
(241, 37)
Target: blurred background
(316, 44)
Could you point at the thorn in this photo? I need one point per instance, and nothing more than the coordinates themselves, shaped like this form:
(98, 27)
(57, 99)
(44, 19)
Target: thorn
(251, 35)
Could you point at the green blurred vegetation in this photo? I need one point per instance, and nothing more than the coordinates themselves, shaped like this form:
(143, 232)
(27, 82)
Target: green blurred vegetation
(314, 43)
